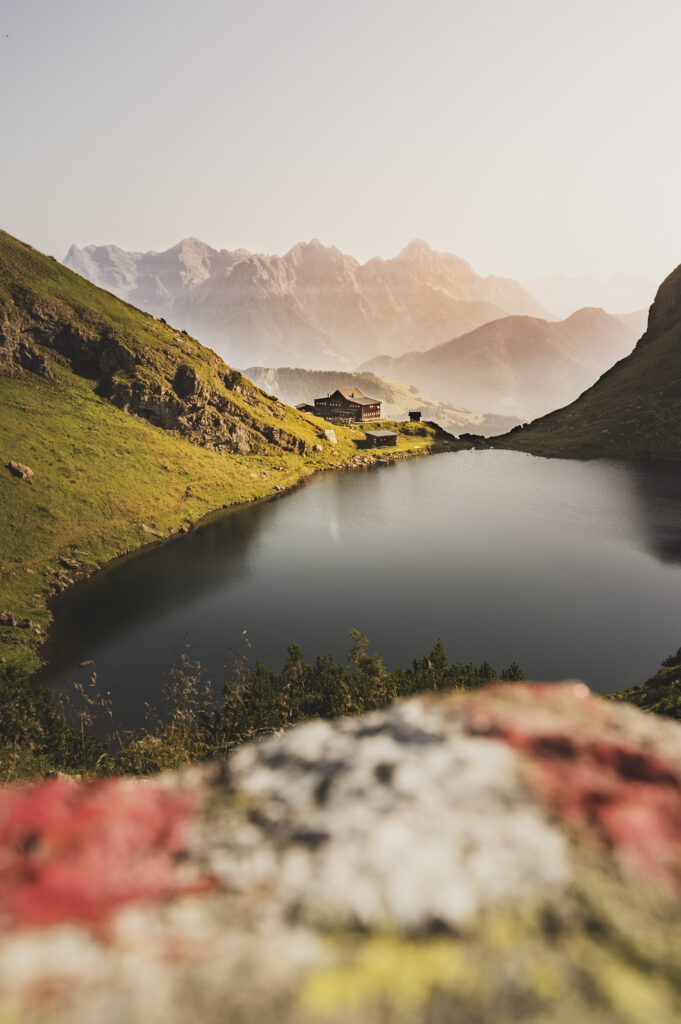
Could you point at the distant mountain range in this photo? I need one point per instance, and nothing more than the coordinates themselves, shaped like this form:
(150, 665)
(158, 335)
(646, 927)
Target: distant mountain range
(293, 385)
(564, 295)
(634, 410)
(315, 307)
(518, 365)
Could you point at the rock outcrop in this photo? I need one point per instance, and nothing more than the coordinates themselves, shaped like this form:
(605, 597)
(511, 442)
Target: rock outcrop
(514, 854)
(20, 470)
(51, 318)
(17, 352)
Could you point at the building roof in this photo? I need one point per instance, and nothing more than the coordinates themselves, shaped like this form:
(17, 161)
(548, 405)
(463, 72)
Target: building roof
(355, 395)
(381, 433)
(352, 395)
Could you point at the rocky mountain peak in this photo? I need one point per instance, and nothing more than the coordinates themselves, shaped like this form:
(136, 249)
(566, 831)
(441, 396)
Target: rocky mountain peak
(193, 248)
(73, 253)
(588, 316)
(417, 249)
(666, 309)
(312, 250)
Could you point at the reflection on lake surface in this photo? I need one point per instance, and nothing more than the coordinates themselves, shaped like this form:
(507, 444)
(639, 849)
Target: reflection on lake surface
(571, 568)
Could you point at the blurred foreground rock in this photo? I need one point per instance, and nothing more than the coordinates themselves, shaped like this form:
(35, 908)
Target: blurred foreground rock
(509, 855)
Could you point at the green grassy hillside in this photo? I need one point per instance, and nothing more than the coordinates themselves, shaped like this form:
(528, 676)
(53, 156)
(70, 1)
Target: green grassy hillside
(634, 410)
(50, 316)
(75, 362)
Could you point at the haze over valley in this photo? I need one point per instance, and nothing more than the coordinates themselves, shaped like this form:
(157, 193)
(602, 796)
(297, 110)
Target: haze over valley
(422, 318)
(563, 295)
(294, 386)
(632, 411)
(518, 365)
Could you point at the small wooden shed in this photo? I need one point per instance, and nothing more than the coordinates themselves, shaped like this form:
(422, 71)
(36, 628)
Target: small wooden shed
(415, 415)
(381, 438)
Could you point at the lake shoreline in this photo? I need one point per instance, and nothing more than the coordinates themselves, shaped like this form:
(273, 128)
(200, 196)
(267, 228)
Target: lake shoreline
(435, 549)
(370, 459)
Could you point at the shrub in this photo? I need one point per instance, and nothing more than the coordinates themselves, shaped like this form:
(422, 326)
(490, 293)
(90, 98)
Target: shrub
(195, 722)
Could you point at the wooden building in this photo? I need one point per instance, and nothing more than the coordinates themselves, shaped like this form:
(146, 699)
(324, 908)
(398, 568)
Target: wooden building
(381, 438)
(415, 415)
(348, 405)
(305, 407)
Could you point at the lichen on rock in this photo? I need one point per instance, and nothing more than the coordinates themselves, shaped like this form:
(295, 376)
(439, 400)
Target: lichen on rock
(397, 818)
(512, 854)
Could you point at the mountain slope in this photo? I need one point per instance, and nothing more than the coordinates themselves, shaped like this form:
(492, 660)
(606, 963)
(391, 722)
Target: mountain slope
(294, 385)
(634, 410)
(315, 307)
(519, 365)
(137, 363)
(127, 431)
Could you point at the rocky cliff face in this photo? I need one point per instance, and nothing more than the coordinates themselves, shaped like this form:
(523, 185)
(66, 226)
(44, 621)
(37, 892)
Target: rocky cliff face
(314, 307)
(198, 408)
(509, 855)
(665, 311)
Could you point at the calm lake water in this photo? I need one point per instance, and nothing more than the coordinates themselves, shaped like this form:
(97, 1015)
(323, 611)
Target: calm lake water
(571, 568)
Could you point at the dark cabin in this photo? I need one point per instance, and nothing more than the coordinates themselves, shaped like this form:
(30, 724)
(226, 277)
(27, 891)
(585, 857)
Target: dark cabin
(305, 407)
(348, 405)
(381, 438)
(415, 415)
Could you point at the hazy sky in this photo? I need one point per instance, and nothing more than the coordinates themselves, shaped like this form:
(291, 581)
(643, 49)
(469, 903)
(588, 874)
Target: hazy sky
(529, 136)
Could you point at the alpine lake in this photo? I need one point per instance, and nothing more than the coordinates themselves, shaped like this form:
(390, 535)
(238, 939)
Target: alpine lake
(572, 569)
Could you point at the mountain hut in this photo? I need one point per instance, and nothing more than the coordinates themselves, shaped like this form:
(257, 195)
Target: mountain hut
(348, 405)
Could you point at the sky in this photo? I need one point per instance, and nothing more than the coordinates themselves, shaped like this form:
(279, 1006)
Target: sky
(527, 136)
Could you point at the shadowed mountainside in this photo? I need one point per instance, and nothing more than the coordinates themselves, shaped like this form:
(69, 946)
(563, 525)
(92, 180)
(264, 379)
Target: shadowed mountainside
(313, 307)
(634, 410)
(519, 365)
